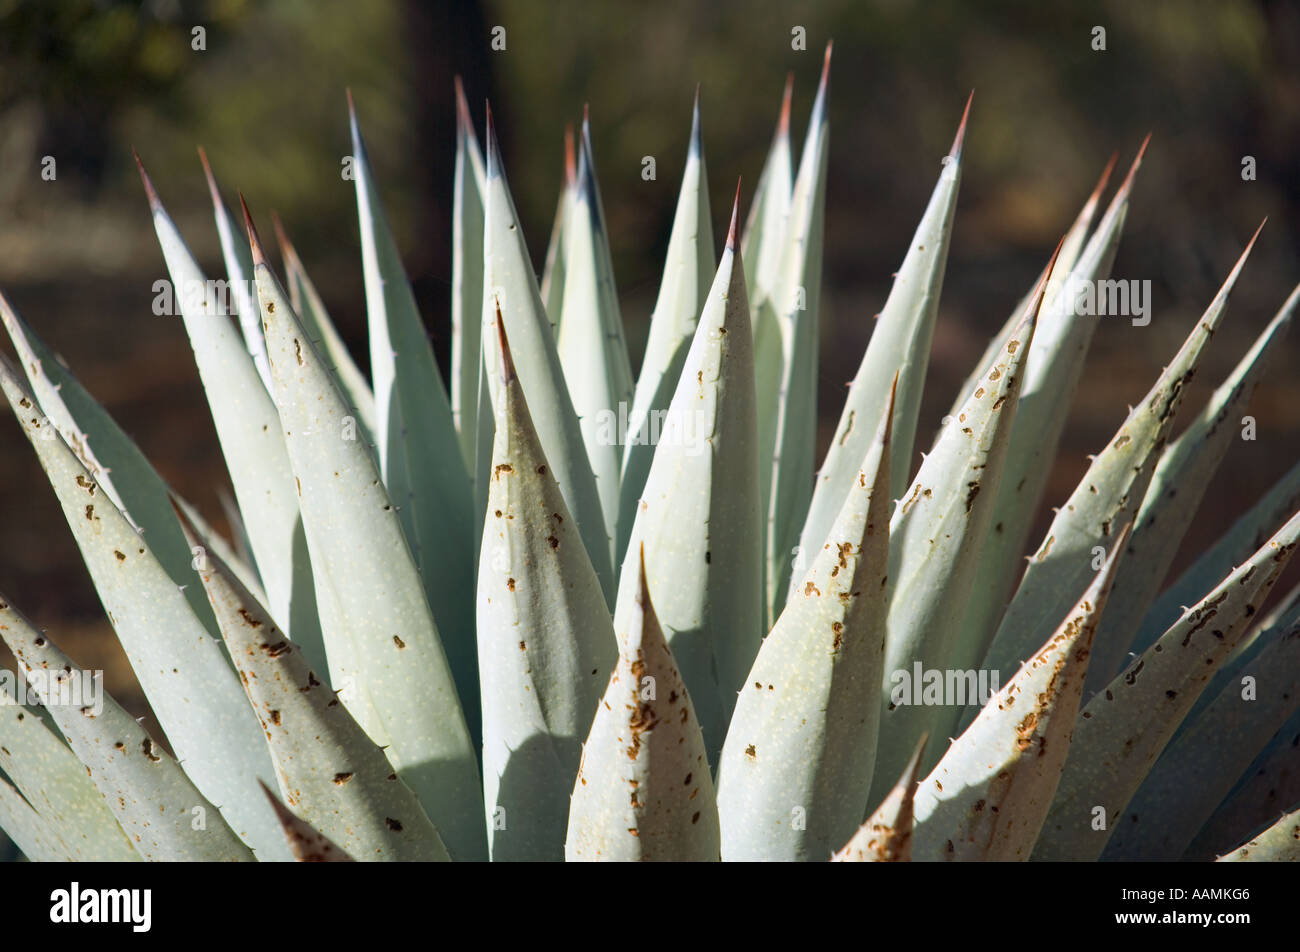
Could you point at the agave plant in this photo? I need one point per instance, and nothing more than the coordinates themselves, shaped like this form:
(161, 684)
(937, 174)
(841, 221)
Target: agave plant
(553, 610)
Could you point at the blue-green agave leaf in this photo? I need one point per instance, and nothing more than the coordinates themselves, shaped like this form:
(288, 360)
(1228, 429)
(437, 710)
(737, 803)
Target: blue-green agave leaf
(1108, 496)
(591, 345)
(1280, 843)
(385, 655)
(335, 777)
(989, 794)
(699, 513)
(155, 802)
(184, 672)
(935, 544)
(239, 274)
(1180, 481)
(308, 844)
(899, 344)
(469, 183)
(248, 429)
(1126, 726)
(886, 836)
(112, 459)
(510, 289)
(1200, 766)
(796, 766)
(795, 297)
(48, 774)
(689, 267)
(644, 791)
(546, 644)
(419, 452)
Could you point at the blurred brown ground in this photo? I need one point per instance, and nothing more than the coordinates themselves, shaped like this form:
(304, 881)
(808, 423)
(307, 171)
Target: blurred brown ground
(86, 81)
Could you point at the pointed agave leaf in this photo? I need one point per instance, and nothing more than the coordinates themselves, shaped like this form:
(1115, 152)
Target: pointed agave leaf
(1124, 728)
(32, 834)
(761, 241)
(988, 796)
(248, 429)
(1280, 843)
(211, 541)
(644, 792)
(103, 448)
(803, 736)
(900, 343)
(699, 513)
(591, 345)
(590, 342)
(239, 272)
(796, 300)
(553, 270)
(155, 802)
(1247, 534)
(335, 776)
(1201, 764)
(419, 453)
(689, 267)
(308, 844)
(1052, 375)
(185, 675)
(1109, 495)
(1268, 787)
(510, 288)
(1074, 255)
(886, 836)
(385, 654)
(49, 776)
(466, 281)
(935, 543)
(1072, 248)
(762, 246)
(1181, 478)
(546, 644)
(310, 307)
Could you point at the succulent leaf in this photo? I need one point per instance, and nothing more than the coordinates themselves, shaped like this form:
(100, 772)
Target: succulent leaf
(1280, 843)
(1201, 764)
(154, 801)
(466, 282)
(385, 655)
(1125, 727)
(644, 791)
(189, 681)
(699, 514)
(1108, 496)
(419, 452)
(110, 456)
(248, 429)
(335, 776)
(796, 300)
(935, 540)
(590, 342)
(689, 267)
(546, 643)
(886, 836)
(51, 779)
(510, 287)
(989, 794)
(899, 343)
(797, 763)
(307, 843)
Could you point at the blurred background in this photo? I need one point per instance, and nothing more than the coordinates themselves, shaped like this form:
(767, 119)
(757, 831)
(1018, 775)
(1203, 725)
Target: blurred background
(84, 81)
